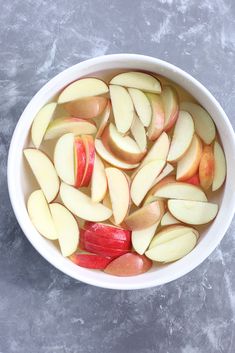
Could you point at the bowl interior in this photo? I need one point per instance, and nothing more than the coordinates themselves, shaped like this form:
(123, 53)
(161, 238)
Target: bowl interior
(20, 185)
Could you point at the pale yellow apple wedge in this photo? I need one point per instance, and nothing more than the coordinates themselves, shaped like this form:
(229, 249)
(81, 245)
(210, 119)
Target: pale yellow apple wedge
(142, 238)
(140, 80)
(139, 133)
(64, 159)
(171, 106)
(142, 105)
(156, 125)
(98, 181)
(168, 220)
(103, 119)
(182, 191)
(165, 172)
(220, 167)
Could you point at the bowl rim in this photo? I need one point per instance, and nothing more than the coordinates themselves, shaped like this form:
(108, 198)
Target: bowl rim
(11, 181)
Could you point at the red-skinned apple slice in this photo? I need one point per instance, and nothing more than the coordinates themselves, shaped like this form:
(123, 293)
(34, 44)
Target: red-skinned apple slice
(92, 261)
(206, 167)
(86, 108)
(139, 134)
(220, 167)
(187, 166)
(104, 118)
(90, 159)
(142, 238)
(80, 160)
(130, 264)
(77, 126)
(44, 172)
(194, 180)
(103, 250)
(168, 219)
(139, 80)
(171, 106)
(85, 87)
(156, 125)
(64, 158)
(108, 231)
(106, 242)
(182, 191)
(98, 181)
(182, 136)
(142, 105)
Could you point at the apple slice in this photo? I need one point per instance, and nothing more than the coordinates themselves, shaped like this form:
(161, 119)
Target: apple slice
(119, 192)
(143, 180)
(182, 136)
(44, 172)
(86, 108)
(80, 160)
(107, 203)
(145, 216)
(102, 250)
(206, 167)
(40, 215)
(150, 195)
(108, 231)
(220, 167)
(182, 191)
(64, 158)
(204, 125)
(104, 118)
(174, 249)
(67, 228)
(139, 80)
(90, 158)
(92, 261)
(194, 180)
(171, 106)
(123, 147)
(168, 219)
(110, 158)
(77, 126)
(41, 122)
(123, 108)
(142, 105)
(106, 242)
(187, 166)
(82, 206)
(193, 212)
(85, 87)
(142, 238)
(139, 134)
(130, 264)
(165, 172)
(158, 116)
(98, 181)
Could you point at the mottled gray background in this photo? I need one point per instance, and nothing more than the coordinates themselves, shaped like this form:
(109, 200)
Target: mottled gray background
(42, 310)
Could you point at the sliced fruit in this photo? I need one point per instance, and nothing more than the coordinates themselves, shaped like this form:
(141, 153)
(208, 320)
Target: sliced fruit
(123, 147)
(64, 158)
(220, 167)
(182, 191)
(107, 203)
(92, 261)
(182, 136)
(171, 106)
(44, 172)
(142, 105)
(86, 108)
(142, 238)
(206, 167)
(128, 265)
(193, 212)
(145, 216)
(165, 181)
(168, 219)
(103, 250)
(85, 87)
(156, 125)
(165, 172)
(187, 166)
(90, 158)
(108, 231)
(139, 134)
(139, 80)
(143, 180)
(106, 242)
(41, 122)
(194, 180)
(119, 192)
(77, 126)
(110, 158)
(104, 118)
(80, 160)
(67, 228)
(82, 206)
(40, 215)
(98, 181)
(123, 108)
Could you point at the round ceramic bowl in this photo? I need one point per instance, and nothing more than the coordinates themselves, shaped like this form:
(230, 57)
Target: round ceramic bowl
(17, 180)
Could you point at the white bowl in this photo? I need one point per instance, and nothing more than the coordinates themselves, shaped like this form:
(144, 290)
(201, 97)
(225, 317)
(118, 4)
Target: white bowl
(18, 188)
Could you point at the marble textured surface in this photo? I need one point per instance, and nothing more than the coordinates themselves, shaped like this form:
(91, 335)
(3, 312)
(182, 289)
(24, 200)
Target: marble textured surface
(44, 311)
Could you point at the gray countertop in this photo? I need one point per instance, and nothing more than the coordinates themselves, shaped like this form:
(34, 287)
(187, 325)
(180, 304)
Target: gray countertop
(44, 311)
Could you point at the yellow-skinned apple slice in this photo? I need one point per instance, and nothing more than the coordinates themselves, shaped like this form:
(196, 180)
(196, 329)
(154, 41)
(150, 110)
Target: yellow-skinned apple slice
(41, 122)
(98, 181)
(85, 87)
(90, 158)
(193, 212)
(123, 108)
(187, 166)
(145, 216)
(206, 167)
(220, 167)
(204, 125)
(77, 126)
(44, 172)
(139, 134)
(123, 147)
(110, 158)
(104, 118)
(67, 228)
(142, 105)
(142, 238)
(80, 160)
(40, 215)
(171, 106)
(139, 80)
(119, 192)
(143, 180)
(168, 219)
(86, 108)
(82, 206)
(182, 191)
(156, 125)
(64, 159)
(182, 136)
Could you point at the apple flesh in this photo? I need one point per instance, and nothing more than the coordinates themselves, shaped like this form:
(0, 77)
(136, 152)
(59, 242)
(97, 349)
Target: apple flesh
(142, 105)
(80, 160)
(86, 108)
(220, 167)
(164, 173)
(142, 238)
(139, 134)
(182, 191)
(171, 106)
(98, 181)
(168, 219)
(156, 125)
(130, 264)
(44, 172)
(104, 118)
(194, 180)
(92, 261)
(139, 80)
(90, 159)
(64, 158)
(165, 181)
(108, 231)
(207, 168)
